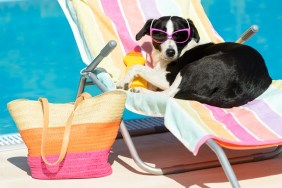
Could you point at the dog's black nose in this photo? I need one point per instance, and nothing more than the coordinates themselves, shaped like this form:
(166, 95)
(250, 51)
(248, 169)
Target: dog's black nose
(170, 52)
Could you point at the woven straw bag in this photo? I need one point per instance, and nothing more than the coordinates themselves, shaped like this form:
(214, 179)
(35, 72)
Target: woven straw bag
(70, 140)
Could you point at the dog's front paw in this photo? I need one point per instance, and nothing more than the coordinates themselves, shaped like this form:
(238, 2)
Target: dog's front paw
(122, 85)
(138, 90)
(135, 90)
(125, 82)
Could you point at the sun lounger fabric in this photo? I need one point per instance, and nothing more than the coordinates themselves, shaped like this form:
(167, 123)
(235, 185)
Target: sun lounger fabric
(257, 124)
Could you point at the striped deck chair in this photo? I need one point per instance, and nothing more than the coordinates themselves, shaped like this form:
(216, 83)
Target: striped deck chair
(251, 126)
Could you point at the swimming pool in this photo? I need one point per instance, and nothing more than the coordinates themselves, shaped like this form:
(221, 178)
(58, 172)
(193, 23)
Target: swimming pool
(39, 57)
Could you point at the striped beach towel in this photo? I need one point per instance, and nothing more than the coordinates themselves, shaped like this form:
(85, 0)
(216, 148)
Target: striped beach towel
(257, 124)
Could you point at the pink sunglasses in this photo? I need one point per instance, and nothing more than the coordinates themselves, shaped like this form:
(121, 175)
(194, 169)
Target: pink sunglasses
(179, 36)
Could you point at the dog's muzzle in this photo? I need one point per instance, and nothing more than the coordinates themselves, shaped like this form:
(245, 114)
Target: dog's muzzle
(170, 52)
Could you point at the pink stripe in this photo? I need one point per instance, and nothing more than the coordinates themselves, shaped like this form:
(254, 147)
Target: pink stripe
(228, 120)
(75, 165)
(112, 9)
(252, 124)
(133, 15)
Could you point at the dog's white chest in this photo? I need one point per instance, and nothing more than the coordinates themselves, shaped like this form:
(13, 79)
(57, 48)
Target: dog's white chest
(160, 68)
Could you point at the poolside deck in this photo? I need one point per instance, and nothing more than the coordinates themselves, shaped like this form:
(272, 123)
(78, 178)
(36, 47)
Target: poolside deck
(160, 149)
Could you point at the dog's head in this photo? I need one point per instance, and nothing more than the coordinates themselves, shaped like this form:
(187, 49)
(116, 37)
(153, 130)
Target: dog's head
(170, 35)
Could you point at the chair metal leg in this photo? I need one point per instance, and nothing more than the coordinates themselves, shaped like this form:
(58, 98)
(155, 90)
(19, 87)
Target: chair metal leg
(81, 86)
(224, 163)
(158, 171)
(267, 155)
(247, 34)
(151, 170)
(134, 154)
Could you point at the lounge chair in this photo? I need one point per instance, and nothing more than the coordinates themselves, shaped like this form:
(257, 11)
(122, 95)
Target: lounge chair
(101, 26)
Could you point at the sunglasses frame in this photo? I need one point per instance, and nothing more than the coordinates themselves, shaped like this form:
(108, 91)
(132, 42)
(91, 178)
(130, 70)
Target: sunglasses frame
(169, 36)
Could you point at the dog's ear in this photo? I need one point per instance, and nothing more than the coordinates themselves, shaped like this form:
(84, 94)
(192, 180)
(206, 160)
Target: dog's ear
(194, 32)
(145, 30)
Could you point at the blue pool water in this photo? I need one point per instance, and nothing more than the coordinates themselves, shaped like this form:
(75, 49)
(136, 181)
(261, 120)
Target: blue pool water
(38, 54)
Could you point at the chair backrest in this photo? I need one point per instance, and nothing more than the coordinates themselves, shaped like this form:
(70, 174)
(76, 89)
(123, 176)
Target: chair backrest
(99, 21)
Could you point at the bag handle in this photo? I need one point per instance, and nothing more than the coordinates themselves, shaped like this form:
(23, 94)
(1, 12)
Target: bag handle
(65, 143)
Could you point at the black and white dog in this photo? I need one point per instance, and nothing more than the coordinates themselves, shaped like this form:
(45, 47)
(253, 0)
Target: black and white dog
(224, 75)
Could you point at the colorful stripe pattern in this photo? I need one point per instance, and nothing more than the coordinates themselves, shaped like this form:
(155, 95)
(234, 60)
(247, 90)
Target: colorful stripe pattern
(120, 20)
(93, 131)
(257, 124)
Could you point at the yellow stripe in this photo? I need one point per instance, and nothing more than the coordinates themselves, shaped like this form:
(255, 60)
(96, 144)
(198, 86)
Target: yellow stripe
(277, 83)
(204, 119)
(186, 107)
(214, 125)
(98, 30)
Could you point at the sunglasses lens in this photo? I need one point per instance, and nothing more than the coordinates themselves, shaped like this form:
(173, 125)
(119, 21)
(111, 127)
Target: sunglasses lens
(180, 36)
(159, 36)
